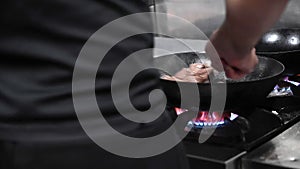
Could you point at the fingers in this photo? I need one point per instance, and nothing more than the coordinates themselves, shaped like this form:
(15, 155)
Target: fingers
(249, 63)
(233, 73)
(239, 67)
(236, 60)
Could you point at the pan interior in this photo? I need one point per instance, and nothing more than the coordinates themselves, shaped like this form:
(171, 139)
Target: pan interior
(171, 64)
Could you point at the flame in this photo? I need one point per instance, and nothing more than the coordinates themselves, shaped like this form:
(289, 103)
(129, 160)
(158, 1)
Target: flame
(205, 118)
(292, 82)
(179, 111)
(283, 91)
(210, 119)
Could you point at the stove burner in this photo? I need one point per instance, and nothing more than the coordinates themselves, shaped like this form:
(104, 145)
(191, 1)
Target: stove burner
(283, 88)
(211, 119)
(208, 119)
(229, 127)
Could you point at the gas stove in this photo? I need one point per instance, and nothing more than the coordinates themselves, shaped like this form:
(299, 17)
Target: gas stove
(241, 131)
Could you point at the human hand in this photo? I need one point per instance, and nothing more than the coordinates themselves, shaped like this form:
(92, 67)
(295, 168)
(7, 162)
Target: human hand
(236, 60)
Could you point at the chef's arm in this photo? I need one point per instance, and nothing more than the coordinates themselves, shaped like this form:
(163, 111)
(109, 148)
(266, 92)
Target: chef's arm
(247, 20)
(245, 23)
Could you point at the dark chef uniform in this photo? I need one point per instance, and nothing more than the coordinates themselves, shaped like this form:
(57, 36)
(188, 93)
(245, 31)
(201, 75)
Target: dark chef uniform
(40, 41)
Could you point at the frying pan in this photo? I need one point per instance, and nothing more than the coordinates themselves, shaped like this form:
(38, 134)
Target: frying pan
(250, 91)
(283, 45)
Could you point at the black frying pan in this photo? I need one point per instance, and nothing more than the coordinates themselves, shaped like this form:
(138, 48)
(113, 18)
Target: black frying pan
(250, 91)
(282, 45)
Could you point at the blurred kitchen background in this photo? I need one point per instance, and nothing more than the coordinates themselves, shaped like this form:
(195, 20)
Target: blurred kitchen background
(207, 15)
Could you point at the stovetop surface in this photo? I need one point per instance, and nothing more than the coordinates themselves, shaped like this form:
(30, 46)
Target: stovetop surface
(274, 117)
(282, 152)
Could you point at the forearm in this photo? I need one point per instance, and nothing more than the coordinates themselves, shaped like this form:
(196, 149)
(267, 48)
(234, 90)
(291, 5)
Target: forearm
(247, 20)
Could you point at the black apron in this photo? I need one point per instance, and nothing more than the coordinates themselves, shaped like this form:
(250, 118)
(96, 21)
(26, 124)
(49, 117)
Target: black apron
(40, 41)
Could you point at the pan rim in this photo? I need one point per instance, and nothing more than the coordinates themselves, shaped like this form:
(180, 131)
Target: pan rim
(227, 81)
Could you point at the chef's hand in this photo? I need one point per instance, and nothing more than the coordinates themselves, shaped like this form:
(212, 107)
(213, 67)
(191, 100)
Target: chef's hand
(236, 61)
(245, 23)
